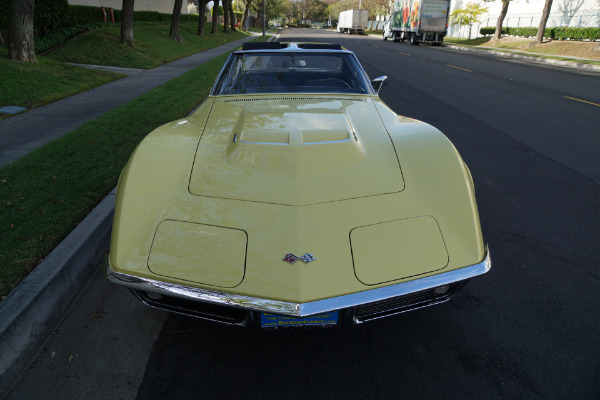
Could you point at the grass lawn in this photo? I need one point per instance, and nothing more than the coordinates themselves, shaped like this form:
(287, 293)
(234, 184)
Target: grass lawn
(152, 46)
(33, 85)
(558, 49)
(45, 194)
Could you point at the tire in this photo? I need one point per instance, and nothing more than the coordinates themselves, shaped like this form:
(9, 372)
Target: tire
(413, 40)
(384, 37)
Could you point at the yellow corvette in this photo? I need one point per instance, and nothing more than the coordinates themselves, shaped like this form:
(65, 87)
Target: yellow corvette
(293, 196)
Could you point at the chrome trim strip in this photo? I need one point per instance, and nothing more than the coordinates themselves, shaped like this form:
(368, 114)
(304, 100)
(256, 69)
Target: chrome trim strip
(298, 309)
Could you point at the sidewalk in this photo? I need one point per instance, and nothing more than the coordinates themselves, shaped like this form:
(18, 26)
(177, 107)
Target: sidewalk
(37, 305)
(25, 132)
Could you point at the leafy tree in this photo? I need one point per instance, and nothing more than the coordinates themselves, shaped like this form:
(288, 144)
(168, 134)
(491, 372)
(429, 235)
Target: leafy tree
(468, 15)
(291, 10)
(174, 33)
(542, 27)
(276, 9)
(333, 11)
(376, 8)
(316, 10)
(20, 31)
(273, 9)
(126, 23)
(503, 11)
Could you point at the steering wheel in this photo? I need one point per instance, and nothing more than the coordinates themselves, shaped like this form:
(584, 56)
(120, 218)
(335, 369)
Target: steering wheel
(334, 82)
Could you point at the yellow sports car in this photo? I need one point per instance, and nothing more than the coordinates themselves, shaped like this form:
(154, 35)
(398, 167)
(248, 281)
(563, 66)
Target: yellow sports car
(293, 196)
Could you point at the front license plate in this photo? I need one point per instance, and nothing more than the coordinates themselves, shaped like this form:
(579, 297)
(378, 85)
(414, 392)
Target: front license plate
(274, 321)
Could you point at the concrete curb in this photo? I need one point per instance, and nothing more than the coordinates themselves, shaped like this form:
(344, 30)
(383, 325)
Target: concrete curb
(38, 303)
(545, 60)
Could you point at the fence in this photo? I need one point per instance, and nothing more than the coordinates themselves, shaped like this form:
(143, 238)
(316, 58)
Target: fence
(527, 21)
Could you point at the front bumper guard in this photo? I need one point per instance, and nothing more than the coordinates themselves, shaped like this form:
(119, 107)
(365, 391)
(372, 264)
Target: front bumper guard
(404, 290)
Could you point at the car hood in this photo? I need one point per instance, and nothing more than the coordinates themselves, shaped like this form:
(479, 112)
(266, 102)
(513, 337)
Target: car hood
(294, 151)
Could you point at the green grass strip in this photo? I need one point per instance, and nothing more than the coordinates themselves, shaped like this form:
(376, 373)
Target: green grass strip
(45, 194)
(33, 85)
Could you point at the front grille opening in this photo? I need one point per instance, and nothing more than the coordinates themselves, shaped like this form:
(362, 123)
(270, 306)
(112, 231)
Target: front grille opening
(409, 302)
(211, 312)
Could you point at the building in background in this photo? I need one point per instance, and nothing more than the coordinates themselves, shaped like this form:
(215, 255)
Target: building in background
(527, 13)
(162, 6)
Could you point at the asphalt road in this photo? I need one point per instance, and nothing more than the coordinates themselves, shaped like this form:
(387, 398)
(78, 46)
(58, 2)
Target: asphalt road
(528, 329)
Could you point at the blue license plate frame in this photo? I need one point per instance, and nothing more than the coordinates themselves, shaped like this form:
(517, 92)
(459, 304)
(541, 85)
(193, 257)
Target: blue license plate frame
(282, 321)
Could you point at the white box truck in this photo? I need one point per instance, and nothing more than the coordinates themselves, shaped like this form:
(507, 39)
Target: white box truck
(353, 21)
(418, 21)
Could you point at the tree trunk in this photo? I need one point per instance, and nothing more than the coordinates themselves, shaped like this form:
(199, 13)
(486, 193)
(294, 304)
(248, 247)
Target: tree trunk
(542, 28)
(127, 23)
(215, 17)
(20, 31)
(174, 33)
(245, 15)
(201, 16)
(498, 33)
(3, 35)
(232, 17)
(226, 6)
(258, 19)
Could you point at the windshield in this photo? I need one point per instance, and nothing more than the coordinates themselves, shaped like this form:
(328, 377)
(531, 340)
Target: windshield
(292, 72)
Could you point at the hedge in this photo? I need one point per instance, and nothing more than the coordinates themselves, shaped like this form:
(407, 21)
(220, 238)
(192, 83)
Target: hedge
(56, 38)
(48, 15)
(51, 15)
(83, 15)
(552, 33)
(577, 33)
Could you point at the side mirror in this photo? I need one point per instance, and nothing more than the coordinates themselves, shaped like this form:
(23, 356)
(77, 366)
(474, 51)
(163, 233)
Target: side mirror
(377, 83)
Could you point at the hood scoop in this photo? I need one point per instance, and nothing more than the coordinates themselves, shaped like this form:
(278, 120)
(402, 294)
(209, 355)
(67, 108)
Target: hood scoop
(293, 128)
(297, 152)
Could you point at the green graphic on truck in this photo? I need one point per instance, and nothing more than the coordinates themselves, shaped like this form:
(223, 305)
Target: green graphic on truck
(418, 21)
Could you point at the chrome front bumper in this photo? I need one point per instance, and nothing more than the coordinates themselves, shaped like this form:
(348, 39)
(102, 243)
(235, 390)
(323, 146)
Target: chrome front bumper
(365, 305)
